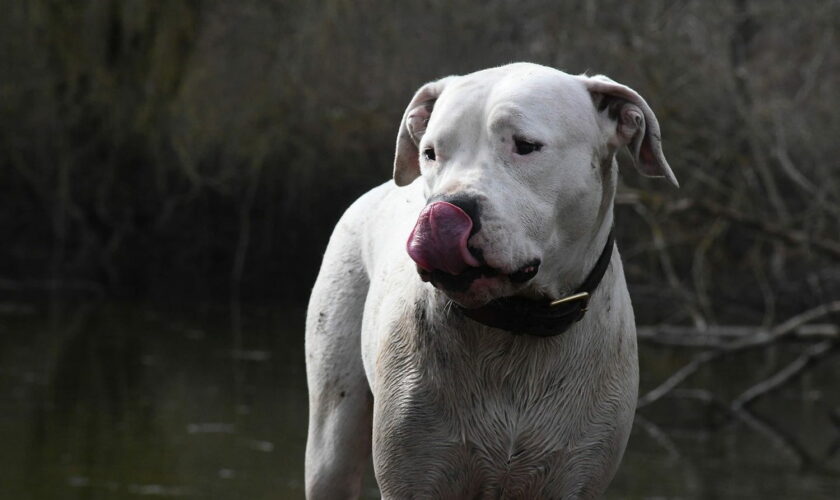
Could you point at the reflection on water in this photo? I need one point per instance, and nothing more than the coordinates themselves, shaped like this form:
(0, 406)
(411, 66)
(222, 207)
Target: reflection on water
(122, 401)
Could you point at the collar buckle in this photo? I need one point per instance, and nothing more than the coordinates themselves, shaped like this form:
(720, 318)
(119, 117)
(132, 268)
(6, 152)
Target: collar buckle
(582, 296)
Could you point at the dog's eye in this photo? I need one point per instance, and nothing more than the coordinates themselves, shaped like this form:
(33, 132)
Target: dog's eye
(524, 147)
(429, 154)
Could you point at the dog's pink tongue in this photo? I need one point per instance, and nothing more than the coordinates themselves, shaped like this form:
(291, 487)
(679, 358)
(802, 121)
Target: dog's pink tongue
(439, 239)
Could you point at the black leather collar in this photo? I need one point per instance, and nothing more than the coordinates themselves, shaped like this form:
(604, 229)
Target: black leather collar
(543, 318)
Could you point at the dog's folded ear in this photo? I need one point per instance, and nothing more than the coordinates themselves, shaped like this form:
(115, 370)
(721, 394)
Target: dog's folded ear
(412, 128)
(636, 126)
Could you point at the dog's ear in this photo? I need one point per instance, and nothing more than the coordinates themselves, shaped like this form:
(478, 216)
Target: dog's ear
(412, 128)
(635, 125)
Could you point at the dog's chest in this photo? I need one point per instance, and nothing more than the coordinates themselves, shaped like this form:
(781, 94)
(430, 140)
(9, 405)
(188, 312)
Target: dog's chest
(484, 415)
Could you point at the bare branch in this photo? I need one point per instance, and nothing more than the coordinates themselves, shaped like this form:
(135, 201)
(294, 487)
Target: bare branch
(825, 246)
(659, 436)
(790, 372)
(760, 338)
(717, 336)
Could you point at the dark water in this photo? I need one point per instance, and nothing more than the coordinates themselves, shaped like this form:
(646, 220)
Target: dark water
(128, 401)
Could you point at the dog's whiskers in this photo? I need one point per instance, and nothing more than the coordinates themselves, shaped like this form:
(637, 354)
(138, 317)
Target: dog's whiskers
(447, 307)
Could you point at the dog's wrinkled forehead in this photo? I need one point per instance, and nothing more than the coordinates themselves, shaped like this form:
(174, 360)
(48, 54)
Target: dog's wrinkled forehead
(524, 94)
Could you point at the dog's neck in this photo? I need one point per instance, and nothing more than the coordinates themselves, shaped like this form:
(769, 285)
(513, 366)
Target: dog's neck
(567, 274)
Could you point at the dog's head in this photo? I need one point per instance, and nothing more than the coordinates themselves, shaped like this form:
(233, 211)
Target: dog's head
(519, 175)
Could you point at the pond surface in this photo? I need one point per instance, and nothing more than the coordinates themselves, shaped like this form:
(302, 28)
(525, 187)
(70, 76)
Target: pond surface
(125, 401)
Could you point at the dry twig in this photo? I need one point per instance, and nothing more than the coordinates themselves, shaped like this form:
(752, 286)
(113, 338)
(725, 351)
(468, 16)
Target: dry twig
(790, 372)
(760, 338)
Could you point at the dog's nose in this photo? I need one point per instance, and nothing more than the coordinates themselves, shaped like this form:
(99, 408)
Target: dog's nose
(439, 239)
(467, 203)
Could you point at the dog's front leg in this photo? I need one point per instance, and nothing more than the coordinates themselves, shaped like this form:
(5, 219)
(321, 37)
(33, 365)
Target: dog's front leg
(340, 402)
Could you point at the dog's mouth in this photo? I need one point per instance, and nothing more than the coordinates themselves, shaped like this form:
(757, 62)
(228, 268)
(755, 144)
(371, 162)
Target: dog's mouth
(461, 282)
(439, 245)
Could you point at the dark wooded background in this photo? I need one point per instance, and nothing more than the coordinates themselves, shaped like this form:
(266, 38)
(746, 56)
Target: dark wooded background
(203, 150)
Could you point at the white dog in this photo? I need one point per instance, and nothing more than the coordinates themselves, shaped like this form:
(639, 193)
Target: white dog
(448, 331)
